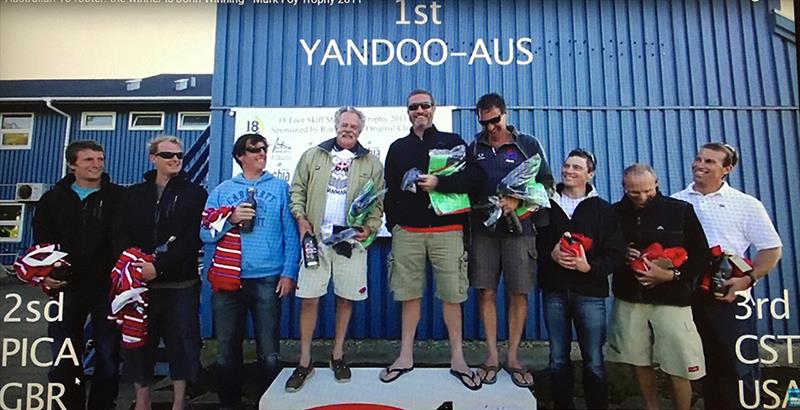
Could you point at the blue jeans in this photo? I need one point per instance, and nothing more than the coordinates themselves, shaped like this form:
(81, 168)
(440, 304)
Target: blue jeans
(588, 314)
(258, 297)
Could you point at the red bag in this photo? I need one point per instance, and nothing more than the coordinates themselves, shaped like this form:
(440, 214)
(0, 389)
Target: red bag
(666, 258)
(572, 242)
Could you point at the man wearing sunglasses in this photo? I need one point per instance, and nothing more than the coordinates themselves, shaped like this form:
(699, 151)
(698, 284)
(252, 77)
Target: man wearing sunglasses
(736, 222)
(419, 233)
(498, 149)
(328, 178)
(574, 280)
(267, 266)
(161, 217)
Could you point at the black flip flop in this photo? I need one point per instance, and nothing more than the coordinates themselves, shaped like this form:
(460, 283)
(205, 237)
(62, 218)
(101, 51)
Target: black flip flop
(399, 373)
(517, 371)
(470, 376)
(486, 369)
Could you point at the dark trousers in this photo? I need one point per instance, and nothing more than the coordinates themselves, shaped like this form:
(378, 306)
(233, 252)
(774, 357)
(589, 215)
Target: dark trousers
(78, 303)
(258, 297)
(719, 329)
(174, 315)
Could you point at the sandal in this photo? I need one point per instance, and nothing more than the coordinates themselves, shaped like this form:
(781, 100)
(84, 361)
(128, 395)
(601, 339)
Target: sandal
(487, 369)
(469, 377)
(518, 374)
(394, 373)
(298, 378)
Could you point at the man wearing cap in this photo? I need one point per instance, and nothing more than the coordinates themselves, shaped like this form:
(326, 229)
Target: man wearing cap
(574, 278)
(328, 178)
(161, 217)
(418, 233)
(736, 222)
(498, 149)
(651, 323)
(77, 214)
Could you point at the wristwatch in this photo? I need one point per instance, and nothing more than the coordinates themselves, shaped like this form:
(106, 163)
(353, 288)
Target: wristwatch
(676, 274)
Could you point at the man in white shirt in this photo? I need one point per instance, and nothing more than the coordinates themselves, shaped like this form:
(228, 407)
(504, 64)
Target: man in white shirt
(735, 221)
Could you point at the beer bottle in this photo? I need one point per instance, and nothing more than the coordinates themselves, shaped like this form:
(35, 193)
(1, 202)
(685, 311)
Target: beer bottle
(310, 251)
(247, 226)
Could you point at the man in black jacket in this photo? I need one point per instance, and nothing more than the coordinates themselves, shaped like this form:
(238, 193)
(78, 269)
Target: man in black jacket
(161, 216)
(574, 281)
(419, 233)
(498, 150)
(77, 214)
(652, 321)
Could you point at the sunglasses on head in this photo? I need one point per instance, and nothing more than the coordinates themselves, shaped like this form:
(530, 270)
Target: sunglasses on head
(169, 155)
(494, 120)
(425, 106)
(256, 150)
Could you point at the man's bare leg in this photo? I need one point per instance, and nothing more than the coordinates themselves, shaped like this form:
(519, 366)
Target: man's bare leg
(487, 299)
(647, 383)
(410, 320)
(452, 319)
(517, 315)
(344, 309)
(681, 393)
(308, 322)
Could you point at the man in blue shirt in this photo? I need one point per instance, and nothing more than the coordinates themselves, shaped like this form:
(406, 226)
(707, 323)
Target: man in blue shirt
(270, 257)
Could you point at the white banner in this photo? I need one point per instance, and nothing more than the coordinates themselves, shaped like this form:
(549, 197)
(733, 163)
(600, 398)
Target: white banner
(291, 131)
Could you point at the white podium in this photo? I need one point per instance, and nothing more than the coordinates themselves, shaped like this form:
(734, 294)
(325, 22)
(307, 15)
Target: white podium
(422, 388)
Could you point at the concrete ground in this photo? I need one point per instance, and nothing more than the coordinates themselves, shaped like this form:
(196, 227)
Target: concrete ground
(623, 390)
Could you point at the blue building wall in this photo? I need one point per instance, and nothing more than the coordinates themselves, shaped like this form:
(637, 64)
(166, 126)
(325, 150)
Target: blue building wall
(125, 152)
(633, 81)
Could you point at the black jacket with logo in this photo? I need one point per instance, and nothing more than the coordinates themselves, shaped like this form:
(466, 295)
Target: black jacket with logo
(83, 228)
(670, 222)
(496, 163)
(594, 217)
(413, 209)
(147, 222)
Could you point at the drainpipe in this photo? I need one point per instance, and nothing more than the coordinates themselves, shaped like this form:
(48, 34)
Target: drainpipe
(49, 102)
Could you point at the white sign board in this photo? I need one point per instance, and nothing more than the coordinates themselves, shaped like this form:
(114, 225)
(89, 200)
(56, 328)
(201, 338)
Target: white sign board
(291, 131)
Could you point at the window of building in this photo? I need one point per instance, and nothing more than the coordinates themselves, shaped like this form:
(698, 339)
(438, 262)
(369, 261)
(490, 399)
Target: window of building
(16, 130)
(11, 216)
(146, 121)
(193, 120)
(98, 121)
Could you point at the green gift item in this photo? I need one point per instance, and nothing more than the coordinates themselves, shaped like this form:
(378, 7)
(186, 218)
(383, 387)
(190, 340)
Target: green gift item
(364, 203)
(444, 162)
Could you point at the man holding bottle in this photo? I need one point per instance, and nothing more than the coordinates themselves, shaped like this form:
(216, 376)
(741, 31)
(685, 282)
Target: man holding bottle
(264, 274)
(328, 178)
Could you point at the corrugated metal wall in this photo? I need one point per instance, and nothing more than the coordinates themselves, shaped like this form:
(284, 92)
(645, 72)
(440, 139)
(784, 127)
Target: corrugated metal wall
(126, 154)
(631, 80)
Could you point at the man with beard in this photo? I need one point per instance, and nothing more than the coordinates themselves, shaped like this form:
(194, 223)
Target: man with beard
(418, 233)
(77, 214)
(328, 178)
(652, 323)
(736, 222)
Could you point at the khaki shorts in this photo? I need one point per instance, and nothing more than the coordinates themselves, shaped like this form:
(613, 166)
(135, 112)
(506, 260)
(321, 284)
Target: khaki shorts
(646, 335)
(349, 275)
(410, 250)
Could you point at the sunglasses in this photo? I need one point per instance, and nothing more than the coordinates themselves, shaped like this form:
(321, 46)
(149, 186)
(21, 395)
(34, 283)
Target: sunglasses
(494, 120)
(169, 155)
(425, 106)
(256, 150)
